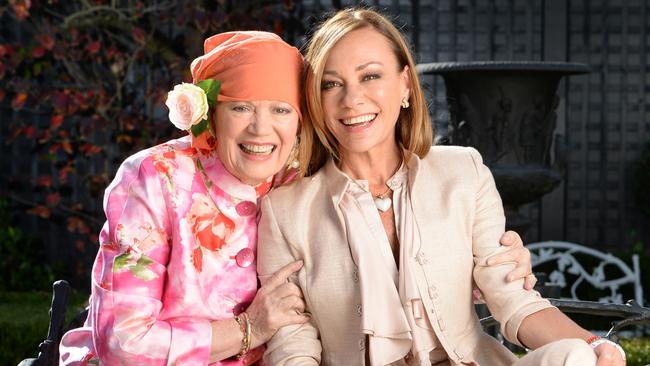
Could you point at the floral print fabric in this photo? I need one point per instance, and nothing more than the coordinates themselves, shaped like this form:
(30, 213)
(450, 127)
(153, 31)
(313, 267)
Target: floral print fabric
(176, 252)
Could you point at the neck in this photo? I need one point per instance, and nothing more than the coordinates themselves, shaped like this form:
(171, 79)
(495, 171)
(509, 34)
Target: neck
(375, 166)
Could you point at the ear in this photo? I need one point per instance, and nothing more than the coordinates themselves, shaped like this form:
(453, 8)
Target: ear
(405, 81)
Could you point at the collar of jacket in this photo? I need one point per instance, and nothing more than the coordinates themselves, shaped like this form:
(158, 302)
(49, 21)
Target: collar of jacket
(337, 181)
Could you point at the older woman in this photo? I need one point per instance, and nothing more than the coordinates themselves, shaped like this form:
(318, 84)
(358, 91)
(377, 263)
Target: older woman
(174, 281)
(400, 231)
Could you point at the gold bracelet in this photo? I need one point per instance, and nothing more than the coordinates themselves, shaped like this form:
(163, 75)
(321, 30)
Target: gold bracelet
(242, 329)
(245, 327)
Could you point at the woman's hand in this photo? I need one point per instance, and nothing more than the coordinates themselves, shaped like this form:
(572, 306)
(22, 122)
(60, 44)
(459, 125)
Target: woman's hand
(519, 254)
(609, 355)
(277, 303)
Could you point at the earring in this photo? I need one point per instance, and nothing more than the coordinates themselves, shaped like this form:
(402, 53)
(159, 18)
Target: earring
(293, 162)
(405, 102)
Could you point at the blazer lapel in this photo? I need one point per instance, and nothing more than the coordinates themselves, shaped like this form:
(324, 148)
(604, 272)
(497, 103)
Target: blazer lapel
(427, 204)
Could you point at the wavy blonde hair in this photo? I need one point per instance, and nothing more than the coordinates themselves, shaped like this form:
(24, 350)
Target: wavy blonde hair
(413, 129)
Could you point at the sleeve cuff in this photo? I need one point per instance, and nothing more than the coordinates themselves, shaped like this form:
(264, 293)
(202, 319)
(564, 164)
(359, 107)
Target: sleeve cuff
(190, 343)
(511, 328)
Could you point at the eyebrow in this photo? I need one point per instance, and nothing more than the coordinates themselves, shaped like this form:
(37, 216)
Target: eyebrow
(358, 68)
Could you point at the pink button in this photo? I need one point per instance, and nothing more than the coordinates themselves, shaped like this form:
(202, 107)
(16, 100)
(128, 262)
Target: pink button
(246, 208)
(245, 257)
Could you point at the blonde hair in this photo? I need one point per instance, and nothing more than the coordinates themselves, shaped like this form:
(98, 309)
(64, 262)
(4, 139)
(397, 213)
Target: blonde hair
(413, 128)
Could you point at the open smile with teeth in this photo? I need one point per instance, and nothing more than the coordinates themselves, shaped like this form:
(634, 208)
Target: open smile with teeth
(359, 119)
(257, 149)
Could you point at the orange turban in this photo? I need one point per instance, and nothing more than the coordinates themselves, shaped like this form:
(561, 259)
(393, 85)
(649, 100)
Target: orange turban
(251, 65)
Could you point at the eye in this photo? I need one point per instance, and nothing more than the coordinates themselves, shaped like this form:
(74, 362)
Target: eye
(371, 77)
(282, 110)
(241, 108)
(329, 84)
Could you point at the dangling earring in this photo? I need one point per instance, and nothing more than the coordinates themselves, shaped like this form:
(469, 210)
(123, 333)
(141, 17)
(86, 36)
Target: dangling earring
(405, 102)
(293, 155)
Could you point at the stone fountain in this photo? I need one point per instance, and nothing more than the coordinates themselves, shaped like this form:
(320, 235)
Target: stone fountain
(507, 111)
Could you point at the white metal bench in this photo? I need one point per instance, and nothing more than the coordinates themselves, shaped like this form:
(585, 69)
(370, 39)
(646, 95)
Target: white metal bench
(572, 267)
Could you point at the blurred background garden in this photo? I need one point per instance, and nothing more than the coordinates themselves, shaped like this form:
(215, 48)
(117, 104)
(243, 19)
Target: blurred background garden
(83, 84)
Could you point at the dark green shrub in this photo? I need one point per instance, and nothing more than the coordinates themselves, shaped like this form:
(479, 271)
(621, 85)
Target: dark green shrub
(637, 351)
(23, 263)
(24, 321)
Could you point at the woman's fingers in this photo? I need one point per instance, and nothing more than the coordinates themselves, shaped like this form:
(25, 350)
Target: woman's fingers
(516, 251)
(293, 303)
(509, 255)
(511, 239)
(530, 281)
(278, 303)
(522, 268)
(609, 355)
(294, 317)
(281, 276)
(282, 298)
(518, 254)
(285, 289)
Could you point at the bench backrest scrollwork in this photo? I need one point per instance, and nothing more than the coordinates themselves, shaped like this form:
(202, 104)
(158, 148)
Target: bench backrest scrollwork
(573, 265)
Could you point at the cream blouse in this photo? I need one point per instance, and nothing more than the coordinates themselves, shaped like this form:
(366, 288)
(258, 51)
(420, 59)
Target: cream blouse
(393, 316)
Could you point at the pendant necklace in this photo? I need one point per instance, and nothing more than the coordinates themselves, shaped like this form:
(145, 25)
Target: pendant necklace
(383, 201)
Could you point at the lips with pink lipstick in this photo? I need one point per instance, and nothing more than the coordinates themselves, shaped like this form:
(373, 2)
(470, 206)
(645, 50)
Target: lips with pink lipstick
(359, 121)
(257, 149)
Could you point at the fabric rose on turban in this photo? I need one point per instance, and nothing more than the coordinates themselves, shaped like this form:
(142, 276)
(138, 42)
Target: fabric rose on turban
(188, 105)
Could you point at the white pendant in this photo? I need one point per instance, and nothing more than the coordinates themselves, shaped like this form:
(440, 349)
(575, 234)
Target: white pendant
(383, 204)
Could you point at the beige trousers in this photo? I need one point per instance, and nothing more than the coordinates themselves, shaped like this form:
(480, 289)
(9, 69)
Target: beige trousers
(566, 352)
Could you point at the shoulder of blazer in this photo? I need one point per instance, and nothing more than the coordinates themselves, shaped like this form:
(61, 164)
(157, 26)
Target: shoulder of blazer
(291, 201)
(445, 154)
(451, 161)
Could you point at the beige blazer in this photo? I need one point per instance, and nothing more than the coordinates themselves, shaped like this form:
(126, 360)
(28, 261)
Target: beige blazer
(460, 219)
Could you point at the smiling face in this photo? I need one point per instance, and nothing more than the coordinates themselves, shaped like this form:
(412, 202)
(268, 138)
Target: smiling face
(254, 138)
(361, 92)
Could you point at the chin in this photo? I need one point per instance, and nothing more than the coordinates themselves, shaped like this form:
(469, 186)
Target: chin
(261, 175)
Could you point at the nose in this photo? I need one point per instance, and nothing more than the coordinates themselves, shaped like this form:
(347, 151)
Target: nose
(261, 122)
(352, 95)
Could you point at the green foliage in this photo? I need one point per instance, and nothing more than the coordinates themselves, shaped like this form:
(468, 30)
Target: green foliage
(23, 264)
(211, 88)
(637, 351)
(24, 322)
(198, 128)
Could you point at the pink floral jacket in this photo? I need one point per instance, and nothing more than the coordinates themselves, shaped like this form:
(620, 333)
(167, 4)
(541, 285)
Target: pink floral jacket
(177, 251)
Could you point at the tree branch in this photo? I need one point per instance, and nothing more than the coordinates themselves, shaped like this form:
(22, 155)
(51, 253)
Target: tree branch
(59, 207)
